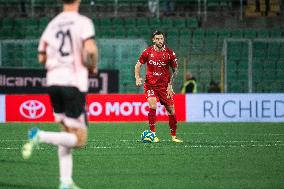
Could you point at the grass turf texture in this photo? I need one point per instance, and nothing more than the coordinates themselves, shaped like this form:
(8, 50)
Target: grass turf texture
(213, 155)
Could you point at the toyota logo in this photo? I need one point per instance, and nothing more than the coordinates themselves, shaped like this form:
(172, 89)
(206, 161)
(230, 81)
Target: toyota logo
(32, 109)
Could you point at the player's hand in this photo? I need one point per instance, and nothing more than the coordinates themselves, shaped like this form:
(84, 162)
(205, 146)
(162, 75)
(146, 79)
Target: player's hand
(138, 81)
(170, 91)
(93, 71)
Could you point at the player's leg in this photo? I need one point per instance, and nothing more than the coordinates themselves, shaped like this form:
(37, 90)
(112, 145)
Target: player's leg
(169, 105)
(37, 136)
(172, 122)
(65, 153)
(69, 111)
(78, 127)
(172, 119)
(59, 99)
(152, 102)
(66, 159)
(74, 123)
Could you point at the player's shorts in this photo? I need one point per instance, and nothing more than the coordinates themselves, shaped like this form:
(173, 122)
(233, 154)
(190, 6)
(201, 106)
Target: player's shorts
(160, 93)
(67, 100)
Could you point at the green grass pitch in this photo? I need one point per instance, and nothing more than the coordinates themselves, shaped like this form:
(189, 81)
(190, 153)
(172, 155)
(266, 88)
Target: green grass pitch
(213, 155)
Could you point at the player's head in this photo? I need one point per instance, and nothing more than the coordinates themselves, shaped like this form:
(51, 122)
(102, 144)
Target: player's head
(188, 76)
(158, 38)
(71, 5)
(70, 1)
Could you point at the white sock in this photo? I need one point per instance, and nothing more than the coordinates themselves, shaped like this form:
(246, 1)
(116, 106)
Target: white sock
(65, 164)
(58, 138)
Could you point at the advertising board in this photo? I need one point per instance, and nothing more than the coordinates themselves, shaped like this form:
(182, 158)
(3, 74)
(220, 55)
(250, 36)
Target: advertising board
(100, 107)
(235, 107)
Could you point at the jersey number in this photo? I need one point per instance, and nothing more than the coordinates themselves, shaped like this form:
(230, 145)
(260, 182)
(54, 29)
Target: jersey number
(62, 35)
(150, 93)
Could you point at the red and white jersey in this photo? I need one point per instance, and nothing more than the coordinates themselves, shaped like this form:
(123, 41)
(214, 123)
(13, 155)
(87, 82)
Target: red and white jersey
(62, 40)
(158, 65)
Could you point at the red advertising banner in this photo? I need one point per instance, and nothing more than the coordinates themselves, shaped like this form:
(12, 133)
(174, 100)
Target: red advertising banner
(128, 107)
(112, 107)
(28, 108)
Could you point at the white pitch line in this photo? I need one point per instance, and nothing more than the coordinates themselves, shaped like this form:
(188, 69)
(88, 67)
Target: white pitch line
(177, 146)
(12, 140)
(189, 146)
(227, 141)
(196, 141)
(8, 148)
(253, 134)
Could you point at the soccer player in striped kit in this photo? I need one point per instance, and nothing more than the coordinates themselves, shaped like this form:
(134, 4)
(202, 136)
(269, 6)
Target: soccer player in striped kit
(158, 82)
(66, 43)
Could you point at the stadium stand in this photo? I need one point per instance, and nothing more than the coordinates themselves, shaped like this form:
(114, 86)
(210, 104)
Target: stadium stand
(198, 46)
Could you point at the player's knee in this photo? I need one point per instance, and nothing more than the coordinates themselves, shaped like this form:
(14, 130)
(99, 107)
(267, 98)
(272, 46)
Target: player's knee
(73, 122)
(81, 138)
(170, 110)
(153, 106)
(152, 103)
(59, 118)
(81, 143)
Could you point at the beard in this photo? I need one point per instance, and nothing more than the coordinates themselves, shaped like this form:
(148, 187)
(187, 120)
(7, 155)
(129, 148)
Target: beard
(159, 45)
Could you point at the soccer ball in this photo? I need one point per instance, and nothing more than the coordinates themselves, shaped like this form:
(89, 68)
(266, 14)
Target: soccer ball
(147, 136)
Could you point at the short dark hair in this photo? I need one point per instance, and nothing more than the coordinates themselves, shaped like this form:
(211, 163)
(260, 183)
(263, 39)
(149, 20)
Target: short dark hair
(157, 32)
(68, 1)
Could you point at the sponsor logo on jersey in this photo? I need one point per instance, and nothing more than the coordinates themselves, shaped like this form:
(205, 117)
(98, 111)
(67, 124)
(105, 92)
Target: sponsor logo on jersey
(158, 63)
(157, 74)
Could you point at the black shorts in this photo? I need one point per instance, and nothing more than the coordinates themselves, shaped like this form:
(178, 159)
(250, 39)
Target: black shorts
(67, 100)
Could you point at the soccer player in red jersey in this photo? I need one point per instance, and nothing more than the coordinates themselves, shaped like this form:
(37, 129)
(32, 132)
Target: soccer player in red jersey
(158, 83)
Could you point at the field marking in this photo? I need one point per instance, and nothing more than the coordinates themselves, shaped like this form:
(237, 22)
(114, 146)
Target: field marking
(227, 141)
(162, 146)
(256, 134)
(8, 148)
(189, 146)
(253, 134)
(126, 141)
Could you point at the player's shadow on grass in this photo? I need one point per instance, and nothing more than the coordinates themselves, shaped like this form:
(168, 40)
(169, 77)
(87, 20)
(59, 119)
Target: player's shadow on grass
(22, 186)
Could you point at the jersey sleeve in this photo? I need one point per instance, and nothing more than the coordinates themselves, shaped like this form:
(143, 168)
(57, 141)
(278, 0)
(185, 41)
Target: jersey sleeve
(88, 30)
(173, 59)
(144, 56)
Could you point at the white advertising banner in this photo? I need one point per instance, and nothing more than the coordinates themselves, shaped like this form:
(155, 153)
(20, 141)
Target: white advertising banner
(235, 107)
(2, 108)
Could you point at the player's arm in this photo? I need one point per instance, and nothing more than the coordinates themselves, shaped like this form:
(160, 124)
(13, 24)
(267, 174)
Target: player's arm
(137, 74)
(174, 66)
(92, 55)
(42, 52)
(142, 60)
(41, 57)
(174, 74)
(170, 91)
